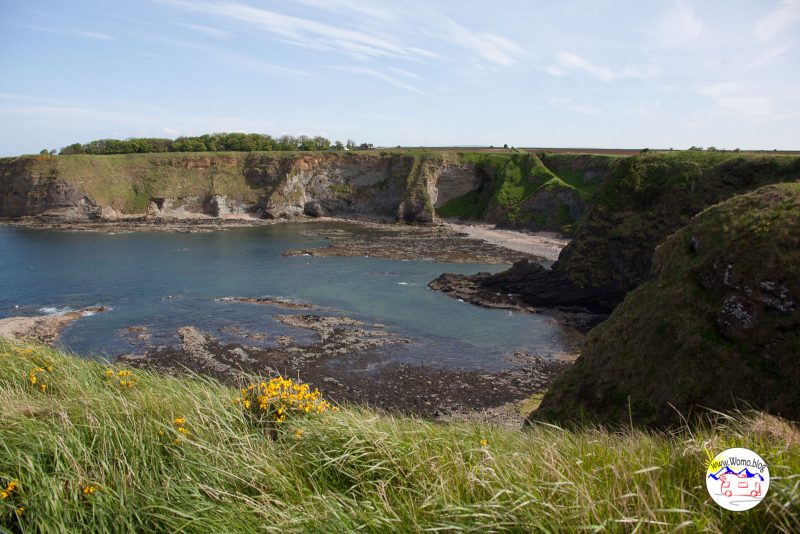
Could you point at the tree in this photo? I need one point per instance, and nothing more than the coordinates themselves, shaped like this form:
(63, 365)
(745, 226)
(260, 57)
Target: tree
(351, 145)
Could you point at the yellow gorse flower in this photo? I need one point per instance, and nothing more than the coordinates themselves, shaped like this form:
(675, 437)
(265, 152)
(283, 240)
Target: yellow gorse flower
(4, 493)
(484, 442)
(89, 490)
(123, 378)
(280, 397)
(37, 377)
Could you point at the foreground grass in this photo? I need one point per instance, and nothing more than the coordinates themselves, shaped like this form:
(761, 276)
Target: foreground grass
(343, 471)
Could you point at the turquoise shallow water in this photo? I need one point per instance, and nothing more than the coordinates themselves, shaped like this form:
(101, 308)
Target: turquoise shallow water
(167, 280)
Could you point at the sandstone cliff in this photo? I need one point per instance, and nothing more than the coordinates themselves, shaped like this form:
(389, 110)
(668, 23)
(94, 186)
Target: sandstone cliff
(386, 185)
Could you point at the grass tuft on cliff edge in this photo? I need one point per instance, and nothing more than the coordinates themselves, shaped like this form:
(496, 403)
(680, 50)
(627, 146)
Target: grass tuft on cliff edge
(91, 454)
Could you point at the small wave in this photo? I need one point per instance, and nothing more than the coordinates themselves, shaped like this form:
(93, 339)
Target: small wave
(402, 283)
(53, 310)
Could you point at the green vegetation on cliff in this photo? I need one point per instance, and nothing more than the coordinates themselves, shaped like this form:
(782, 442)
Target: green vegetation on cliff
(513, 180)
(718, 326)
(88, 454)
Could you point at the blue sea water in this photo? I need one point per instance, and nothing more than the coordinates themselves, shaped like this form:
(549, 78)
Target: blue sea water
(163, 281)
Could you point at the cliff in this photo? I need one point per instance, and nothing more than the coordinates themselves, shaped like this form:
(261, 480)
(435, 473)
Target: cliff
(396, 186)
(511, 189)
(718, 325)
(643, 200)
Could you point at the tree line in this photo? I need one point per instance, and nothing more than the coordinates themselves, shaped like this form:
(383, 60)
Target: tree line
(217, 142)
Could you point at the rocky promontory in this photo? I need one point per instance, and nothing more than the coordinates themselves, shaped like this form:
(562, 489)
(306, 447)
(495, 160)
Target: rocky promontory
(717, 327)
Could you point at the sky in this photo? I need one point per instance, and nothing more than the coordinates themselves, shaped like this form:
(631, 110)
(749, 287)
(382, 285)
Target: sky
(534, 73)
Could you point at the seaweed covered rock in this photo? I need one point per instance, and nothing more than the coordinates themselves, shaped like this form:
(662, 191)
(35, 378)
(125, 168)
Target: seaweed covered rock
(718, 325)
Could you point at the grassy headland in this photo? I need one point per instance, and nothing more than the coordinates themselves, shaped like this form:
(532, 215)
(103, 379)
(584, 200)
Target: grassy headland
(90, 454)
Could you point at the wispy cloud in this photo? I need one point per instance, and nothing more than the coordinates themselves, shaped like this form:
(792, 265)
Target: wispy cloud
(92, 35)
(778, 21)
(770, 55)
(491, 47)
(208, 30)
(80, 33)
(730, 97)
(568, 103)
(567, 62)
(299, 29)
(677, 26)
(380, 76)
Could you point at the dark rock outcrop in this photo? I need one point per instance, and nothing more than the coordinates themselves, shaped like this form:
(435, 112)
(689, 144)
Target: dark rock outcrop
(718, 326)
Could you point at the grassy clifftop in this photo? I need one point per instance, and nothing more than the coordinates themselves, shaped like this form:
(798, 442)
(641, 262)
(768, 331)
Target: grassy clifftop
(718, 326)
(89, 454)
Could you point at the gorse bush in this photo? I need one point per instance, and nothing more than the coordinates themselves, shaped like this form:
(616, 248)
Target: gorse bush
(177, 455)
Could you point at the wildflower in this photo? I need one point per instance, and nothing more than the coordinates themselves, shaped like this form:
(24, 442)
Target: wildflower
(176, 441)
(43, 387)
(484, 442)
(89, 490)
(20, 511)
(160, 432)
(180, 421)
(298, 433)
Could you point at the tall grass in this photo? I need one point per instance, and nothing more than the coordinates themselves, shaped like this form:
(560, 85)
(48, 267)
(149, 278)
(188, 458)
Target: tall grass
(343, 471)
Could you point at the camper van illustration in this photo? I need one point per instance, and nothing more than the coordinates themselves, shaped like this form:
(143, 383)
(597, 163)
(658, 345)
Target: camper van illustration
(743, 483)
(734, 485)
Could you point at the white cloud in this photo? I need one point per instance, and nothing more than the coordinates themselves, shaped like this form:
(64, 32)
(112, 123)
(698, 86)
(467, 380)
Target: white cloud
(80, 33)
(306, 31)
(92, 35)
(718, 90)
(678, 26)
(380, 76)
(753, 107)
(728, 96)
(490, 47)
(770, 55)
(569, 62)
(779, 20)
(568, 103)
(208, 30)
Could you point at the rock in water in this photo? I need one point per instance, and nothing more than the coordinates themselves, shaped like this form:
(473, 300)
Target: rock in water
(718, 326)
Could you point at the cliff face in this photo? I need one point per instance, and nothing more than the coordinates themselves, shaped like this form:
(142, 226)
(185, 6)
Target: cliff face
(718, 325)
(394, 186)
(529, 191)
(643, 201)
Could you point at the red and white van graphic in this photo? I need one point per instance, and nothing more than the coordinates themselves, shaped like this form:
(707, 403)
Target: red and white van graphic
(740, 485)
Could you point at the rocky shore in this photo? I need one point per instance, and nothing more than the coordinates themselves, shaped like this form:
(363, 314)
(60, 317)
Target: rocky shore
(345, 363)
(44, 329)
(407, 242)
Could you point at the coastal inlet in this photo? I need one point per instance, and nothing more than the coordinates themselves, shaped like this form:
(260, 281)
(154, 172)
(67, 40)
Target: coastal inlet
(229, 302)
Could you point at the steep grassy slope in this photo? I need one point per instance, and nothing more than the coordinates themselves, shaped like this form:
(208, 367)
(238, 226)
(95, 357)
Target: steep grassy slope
(718, 326)
(88, 455)
(522, 190)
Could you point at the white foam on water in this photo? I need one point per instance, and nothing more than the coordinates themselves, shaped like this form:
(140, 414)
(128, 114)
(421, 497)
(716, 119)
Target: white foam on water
(53, 311)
